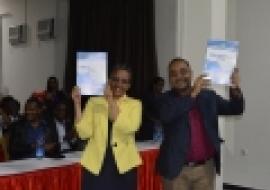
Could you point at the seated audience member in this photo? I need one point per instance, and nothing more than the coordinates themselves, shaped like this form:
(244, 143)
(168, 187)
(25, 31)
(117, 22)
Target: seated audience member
(25, 134)
(9, 111)
(67, 137)
(149, 121)
(50, 96)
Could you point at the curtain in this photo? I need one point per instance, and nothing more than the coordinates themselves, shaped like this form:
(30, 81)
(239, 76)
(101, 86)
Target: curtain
(123, 28)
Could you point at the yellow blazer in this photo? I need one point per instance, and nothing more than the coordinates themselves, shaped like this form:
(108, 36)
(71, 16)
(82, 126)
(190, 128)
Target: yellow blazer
(94, 126)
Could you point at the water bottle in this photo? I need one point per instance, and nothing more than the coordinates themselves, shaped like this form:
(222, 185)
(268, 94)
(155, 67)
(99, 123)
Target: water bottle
(40, 151)
(158, 134)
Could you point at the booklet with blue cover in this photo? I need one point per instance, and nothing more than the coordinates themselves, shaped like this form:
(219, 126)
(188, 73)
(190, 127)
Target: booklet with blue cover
(220, 60)
(91, 74)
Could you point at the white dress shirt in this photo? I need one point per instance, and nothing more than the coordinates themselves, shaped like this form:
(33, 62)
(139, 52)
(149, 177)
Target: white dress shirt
(61, 131)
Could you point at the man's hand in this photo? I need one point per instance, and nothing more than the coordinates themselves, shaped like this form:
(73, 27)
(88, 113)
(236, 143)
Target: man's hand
(235, 79)
(200, 83)
(235, 90)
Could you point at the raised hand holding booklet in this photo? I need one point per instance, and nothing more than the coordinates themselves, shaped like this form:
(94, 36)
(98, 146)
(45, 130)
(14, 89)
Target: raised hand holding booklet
(91, 74)
(220, 60)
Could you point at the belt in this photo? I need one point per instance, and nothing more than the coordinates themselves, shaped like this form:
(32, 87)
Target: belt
(196, 163)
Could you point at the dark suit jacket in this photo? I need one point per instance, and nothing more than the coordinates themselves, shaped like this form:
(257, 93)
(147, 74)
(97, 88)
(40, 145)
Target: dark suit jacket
(173, 113)
(73, 142)
(18, 144)
(147, 129)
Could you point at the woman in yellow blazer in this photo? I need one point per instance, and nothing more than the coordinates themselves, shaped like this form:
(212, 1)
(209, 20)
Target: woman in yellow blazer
(109, 123)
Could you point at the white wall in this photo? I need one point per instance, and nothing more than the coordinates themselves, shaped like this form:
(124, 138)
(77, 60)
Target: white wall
(197, 30)
(26, 67)
(0, 52)
(247, 163)
(61, 23)
(182, 29)
(165, 25)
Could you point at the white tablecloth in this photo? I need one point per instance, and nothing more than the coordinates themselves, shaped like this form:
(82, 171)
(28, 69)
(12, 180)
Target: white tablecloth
(32, 164)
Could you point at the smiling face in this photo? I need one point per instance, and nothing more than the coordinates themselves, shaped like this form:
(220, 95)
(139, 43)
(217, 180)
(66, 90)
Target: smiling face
(52, 84)
(180, 75)
(60, 112)
(120, 82)
(32, 111)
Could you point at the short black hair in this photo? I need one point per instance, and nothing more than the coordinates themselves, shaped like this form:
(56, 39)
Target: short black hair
(178, 59)
(65, 101)
(118, 67)
(51, 78)
(34, 100)
(8, 103)
(157, 80)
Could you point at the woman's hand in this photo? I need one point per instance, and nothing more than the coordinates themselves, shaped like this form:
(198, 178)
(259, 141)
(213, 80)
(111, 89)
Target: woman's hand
(76, 97)
(113, 108)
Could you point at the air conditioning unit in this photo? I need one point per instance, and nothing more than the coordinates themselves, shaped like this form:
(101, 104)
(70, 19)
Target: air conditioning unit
(45, 29)
(17, 34)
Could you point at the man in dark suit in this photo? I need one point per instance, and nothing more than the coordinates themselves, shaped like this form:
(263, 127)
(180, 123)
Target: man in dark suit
(150, 124)
(189, 113)
(31, 130)
(61, 123)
